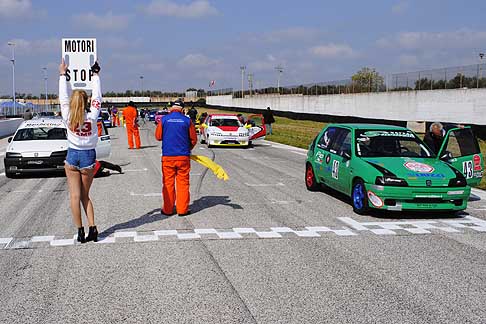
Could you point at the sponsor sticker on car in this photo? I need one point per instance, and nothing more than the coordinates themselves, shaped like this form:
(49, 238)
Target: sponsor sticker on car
(418, 167)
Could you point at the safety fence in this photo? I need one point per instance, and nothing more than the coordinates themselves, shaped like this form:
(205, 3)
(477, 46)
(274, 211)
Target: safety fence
(470, 77)
(17, 109)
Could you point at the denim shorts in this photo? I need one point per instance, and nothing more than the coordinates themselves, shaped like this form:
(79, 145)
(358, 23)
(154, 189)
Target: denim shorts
(81, 159)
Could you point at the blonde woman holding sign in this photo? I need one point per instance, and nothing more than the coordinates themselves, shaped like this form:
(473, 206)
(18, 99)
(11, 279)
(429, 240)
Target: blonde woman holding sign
(80, 116)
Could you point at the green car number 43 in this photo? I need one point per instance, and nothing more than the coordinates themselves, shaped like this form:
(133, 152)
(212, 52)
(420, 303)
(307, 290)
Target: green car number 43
(389, 167)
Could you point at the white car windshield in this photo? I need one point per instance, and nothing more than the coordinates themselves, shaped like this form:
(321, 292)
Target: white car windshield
(40, 133)
(390, 143)
(221, 122)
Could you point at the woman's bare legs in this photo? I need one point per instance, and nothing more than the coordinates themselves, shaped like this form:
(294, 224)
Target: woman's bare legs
(87, 176)
(74, 183)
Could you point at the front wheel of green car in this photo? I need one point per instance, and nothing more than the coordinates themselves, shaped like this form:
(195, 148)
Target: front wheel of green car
(359, 198)
(310, 179)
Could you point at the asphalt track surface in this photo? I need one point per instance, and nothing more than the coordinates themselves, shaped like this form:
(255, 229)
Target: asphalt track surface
(258, 248)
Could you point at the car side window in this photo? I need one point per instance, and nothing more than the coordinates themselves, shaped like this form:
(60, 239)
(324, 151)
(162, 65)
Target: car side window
(345, 143)
(327, 138)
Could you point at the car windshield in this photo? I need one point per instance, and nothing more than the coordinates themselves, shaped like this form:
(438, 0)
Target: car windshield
(40, 133)
(390, 143)
(221, 122)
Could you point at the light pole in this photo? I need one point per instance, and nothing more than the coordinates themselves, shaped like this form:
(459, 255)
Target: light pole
(13, 76)
(481, 56)
(141, 83)
(250, 82)
(279, 75)
(45, 83)
(242, 68)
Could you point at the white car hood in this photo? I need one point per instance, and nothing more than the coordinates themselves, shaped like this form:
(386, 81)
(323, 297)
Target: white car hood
(214, 129)
(42, 148)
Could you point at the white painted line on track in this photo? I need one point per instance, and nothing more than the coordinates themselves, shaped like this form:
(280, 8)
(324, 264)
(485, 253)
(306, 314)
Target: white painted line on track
(2, 154)
(279, 184)
(136, 170)
(2, 174)
(42, 238)
(6, 241)
(151, 194)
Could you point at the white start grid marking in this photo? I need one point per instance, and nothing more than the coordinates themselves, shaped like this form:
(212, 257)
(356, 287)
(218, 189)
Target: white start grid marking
(355, 228)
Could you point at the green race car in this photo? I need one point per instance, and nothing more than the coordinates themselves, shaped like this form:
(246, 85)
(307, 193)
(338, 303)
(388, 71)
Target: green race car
(389, 167)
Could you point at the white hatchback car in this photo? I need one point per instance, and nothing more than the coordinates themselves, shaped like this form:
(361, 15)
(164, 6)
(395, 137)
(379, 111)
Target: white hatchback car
(40, 145)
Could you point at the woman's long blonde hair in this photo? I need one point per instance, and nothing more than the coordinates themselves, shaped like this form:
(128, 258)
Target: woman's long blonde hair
(77, 107)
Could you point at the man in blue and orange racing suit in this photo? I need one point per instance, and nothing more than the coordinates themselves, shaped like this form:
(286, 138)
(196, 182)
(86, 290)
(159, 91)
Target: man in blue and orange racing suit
(178, 136)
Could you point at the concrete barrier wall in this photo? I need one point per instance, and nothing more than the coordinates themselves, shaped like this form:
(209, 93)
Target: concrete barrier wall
(9, 126)
(455, 106)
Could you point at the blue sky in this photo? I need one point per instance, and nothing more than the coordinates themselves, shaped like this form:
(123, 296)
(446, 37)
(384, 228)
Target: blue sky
(181, 44)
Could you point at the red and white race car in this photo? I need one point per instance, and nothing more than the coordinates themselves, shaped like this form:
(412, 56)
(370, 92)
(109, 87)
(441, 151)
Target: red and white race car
(227, 130)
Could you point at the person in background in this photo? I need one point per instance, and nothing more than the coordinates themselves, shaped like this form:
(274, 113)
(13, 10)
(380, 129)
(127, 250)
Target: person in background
(81, 118)
(114, 117)
(178, 135)
(28, 114)
(269, 120)
(241, 118)
(435, 137)
(192, 114)
(130, 115)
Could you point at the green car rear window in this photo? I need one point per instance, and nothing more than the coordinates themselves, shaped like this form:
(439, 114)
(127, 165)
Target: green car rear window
(389, 143)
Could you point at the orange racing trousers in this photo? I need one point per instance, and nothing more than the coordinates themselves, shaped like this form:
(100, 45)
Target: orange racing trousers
(131, 133)
(175, 184)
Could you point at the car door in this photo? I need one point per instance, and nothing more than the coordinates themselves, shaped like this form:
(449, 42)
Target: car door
(461, 149)
(103, 148)
(322, 155)
(340, 152)
(257, 130)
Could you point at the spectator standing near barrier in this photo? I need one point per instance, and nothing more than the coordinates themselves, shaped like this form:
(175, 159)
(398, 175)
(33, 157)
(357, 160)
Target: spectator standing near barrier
(192, 114)
(269, 120)
(435, 137)
(130, 115)
(28, 114)
(178, 135)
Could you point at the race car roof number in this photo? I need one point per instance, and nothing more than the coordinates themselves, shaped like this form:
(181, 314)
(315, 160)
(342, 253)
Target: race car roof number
(79, 54)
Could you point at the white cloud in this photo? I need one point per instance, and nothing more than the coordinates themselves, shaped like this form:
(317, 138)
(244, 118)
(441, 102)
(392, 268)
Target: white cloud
(267, 64)
(333, 51)
(197, 60)
(33, 47)
(15, 8)
(408, 60)
(400, 8)
(290, 34)
(463, 38)
(107, 22)
(195, 9)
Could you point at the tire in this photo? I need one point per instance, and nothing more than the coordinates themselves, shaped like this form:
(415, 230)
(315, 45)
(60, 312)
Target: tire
(10, 175)
(359, 198)
(202, 141)
(310, 178)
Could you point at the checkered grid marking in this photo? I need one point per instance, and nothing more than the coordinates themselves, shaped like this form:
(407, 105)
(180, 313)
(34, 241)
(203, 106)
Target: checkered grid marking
(418, 227)
(378, 228)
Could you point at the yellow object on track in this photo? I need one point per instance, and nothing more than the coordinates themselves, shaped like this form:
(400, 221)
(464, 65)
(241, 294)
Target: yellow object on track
(211, 165)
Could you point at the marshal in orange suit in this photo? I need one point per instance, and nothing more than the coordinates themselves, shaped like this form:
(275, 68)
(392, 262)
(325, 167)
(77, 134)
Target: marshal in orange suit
(130, 114)
(178, 136)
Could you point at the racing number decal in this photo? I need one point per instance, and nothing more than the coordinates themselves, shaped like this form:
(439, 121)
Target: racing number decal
(467, 169)
(86, 127)
(335, 169)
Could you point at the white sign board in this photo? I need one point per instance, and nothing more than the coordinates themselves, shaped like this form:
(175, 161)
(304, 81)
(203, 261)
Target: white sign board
(79, 54)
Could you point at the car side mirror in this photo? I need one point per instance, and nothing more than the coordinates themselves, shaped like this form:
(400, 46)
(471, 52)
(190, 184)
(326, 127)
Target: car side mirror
(446, 156)
(10, 139)
(247, 126)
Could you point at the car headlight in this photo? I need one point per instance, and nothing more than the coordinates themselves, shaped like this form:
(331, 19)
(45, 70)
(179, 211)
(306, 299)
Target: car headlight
(13, 155)
(391, 181)
(458, 182)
